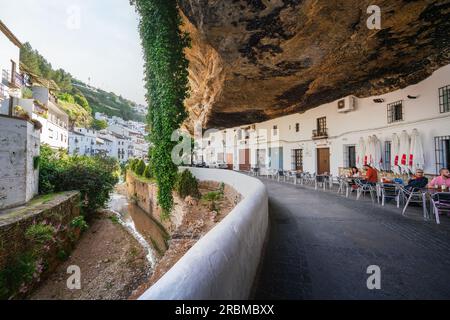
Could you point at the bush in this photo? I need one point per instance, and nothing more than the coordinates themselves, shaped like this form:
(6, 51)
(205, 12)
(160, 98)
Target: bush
(94, 177)
(133, 163)
(16, 273)
(66, 97)
(40, 233)
(79, 223)
(81, 100)
(148, 172)
(140, 168)
(99, 124)
(187, 185)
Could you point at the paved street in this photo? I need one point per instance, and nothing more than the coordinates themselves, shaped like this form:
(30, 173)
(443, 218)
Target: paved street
(321, 244)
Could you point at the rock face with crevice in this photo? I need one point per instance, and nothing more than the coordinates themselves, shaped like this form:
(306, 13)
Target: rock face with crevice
(254, 60)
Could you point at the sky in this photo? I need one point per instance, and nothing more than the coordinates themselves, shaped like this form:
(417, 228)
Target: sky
(96, 39)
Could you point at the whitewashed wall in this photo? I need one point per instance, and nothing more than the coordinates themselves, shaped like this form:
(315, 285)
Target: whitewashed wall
(222, 264)
(19, 144)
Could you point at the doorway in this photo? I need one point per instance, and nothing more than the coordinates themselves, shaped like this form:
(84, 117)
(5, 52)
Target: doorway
(244, 160)
(323, 160)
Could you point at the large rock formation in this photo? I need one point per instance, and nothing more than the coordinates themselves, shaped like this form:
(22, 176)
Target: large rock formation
(252, 60)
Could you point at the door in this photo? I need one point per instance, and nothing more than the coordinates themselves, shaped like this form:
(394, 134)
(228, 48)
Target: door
(230, 161)
(244, 160)
(323, 160)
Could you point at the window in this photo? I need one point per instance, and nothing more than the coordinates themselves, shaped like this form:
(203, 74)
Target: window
(349, 156)
(442, 149)
(387, 155)
(297, 159)
(297, 127)
(275, 130)
(395, 111)
(322, 125)
(444, 99)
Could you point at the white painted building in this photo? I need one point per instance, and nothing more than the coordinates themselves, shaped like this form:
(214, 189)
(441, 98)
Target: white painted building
(325, 138)
(55, 122)
(11, 81)
(19, 138)
(90, 142)
(84, 142)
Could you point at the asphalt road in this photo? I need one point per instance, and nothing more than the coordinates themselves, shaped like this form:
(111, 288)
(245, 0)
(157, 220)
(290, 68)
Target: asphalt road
(321, 244)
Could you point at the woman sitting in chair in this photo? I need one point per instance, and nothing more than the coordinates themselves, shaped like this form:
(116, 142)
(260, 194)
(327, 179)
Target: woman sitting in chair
(371, 175)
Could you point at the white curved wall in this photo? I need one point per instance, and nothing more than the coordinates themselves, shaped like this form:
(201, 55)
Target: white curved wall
(222, 264)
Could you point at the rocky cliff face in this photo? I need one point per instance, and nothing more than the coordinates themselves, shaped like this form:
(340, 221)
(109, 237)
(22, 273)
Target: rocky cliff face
(253, 60)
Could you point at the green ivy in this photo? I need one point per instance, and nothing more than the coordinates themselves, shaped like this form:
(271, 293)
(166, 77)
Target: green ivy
(166, 75)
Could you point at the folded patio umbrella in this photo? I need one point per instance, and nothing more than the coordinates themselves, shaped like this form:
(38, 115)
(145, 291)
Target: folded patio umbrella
(361, 153)
(416, 156)
(395, 144)
(404, 152)
(369, 150)
(378, 152)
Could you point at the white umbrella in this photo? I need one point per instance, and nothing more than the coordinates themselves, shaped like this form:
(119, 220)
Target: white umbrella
(403, 153)
(416, 157)
(370, 151)
(361, 153)
(395, 144)
(378, 152)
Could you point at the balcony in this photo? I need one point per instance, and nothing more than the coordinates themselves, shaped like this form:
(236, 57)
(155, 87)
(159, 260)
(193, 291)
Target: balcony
(14, 80)
(320, 134)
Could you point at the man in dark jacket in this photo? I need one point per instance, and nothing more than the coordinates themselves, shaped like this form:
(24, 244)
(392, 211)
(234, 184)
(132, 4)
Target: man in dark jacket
(418, 182)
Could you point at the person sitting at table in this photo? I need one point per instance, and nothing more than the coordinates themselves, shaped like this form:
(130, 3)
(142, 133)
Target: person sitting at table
(371, 175)
(354, 173)
(442, 180)
(419, 181)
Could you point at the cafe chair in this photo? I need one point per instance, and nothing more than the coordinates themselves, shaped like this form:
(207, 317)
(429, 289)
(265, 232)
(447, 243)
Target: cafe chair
(441, 203)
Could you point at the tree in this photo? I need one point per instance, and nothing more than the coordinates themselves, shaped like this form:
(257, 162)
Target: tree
(148, 172)
(81, 100)
(140, 168)
(99, 124)
(166, 75)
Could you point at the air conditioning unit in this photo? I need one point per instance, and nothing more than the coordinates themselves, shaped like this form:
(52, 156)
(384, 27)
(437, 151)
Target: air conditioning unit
(347, 104)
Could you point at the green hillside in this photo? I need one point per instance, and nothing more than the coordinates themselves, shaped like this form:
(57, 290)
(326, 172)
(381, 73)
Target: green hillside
(78, 100)
(108, 102)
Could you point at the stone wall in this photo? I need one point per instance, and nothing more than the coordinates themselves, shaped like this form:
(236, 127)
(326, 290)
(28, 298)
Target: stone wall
(145, 195)
(57, 210)
(14, 222)
(19, 145)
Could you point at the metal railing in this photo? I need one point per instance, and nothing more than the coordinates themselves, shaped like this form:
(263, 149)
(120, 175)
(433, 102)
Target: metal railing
(322, 133)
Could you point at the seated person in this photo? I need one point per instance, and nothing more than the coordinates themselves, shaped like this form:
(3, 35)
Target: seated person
(371, 175)
(442, 180)
(418, 182)
(354, 173)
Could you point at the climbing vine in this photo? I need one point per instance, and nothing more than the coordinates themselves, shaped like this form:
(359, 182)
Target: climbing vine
(166, 77)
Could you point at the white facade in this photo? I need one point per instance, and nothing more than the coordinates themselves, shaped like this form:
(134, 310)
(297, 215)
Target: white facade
(90, 142)
(278, 138)
(9, 68)
(19, 173)
(55, 122)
